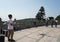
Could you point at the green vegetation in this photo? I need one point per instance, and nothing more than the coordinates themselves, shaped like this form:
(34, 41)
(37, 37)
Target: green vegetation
(58, 18)
(41, 13)
(51, 18)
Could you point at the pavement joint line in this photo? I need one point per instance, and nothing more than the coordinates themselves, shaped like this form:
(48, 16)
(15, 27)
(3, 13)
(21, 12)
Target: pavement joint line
(43, 35)
(43, 32)
(26, 35)
(32, 38)
(39, 39)
(19, 31)
(29, 34)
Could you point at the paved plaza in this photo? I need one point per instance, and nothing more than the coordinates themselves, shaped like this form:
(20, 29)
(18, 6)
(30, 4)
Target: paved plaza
(38, 34)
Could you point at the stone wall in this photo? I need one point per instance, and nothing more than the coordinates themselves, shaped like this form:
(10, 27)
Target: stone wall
(27, 23)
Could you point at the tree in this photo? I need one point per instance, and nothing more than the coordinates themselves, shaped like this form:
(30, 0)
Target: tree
(51, 18)
(58, 18)
(41, 13)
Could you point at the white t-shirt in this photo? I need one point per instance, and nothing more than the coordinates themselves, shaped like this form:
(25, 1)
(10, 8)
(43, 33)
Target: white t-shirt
(10, 27)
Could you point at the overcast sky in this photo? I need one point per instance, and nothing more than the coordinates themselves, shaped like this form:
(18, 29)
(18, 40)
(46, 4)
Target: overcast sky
(21, 9)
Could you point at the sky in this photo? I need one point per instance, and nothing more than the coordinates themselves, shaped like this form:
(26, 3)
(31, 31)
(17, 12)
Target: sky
(21, 9)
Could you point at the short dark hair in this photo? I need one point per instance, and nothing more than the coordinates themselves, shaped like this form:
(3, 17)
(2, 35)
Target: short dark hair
(9, 15)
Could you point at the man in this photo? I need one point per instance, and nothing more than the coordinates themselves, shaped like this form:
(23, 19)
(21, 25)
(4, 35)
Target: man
(56, 23)
(52, 22)
(10, 28)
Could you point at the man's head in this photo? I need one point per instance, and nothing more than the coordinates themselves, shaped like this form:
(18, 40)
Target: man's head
(10, 16)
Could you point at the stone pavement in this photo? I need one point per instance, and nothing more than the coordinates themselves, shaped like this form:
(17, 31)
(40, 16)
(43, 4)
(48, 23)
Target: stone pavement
(38, 34)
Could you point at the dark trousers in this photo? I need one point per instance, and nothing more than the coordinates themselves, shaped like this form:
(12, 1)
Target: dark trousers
(52, 24)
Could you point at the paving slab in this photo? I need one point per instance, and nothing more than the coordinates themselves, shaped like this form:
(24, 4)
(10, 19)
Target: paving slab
(47, 39)
(26, 39)
(38, 34)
